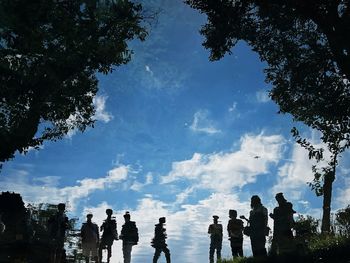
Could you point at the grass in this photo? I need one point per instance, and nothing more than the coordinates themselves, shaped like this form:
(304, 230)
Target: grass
(321, 249)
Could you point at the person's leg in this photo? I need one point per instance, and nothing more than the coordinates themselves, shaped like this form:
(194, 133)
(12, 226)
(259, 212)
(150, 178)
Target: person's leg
(240, 250)
(211, 253)
(274, 246)
(127, 252)
(156, 255)
(253, 245)
(94, 253)
(233, 248)
(100, 248)
(109, 252)
(167, 254)
(260, 245)
(218, 252)
(85, 251)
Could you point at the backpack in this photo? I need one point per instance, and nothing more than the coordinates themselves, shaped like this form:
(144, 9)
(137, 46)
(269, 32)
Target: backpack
(130, 232)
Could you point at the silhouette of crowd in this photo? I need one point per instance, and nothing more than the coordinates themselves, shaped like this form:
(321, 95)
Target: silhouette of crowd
(257, 229)
(93, 243)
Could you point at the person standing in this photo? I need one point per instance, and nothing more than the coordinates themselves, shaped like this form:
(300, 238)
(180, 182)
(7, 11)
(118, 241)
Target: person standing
(215, 232)
(57, 226)
(282, 215)
(130, 236)
(158, 241)
(258, 226)
(109, 228)
(89, 238)
(235, 233)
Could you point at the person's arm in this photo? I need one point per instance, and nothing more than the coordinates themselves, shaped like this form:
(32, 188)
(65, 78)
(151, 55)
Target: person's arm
(209, 229)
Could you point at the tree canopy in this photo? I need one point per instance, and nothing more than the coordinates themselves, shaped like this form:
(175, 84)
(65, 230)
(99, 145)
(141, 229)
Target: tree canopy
(50, 51)
(306, 48)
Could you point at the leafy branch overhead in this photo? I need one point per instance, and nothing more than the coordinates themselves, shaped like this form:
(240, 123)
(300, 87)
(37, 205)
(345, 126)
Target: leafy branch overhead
(50, 51)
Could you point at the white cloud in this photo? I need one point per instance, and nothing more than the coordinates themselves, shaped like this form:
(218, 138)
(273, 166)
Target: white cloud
(343, 195)
(71, 123)
(100, 115)
(294, 175)
(148, 69)
(137, 186)
(100, 109)
(262, 96)
(45, 189)
(181, 197)
(202, 123)
(224, 171)
(233, 108)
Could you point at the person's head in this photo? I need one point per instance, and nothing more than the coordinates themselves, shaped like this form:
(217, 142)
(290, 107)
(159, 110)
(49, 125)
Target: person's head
(61, 207)
(280, 198)
(215, 219)
(89, 217)
(127, 216)
(162, 220)
(109, 212)
(255, 201)
(232, 213)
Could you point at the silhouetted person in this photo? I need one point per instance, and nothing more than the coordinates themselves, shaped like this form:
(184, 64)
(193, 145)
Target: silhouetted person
(215, 232)
(235, 233)
(90, 238)
(282, 228)
(130, 236)
(57, 225)
(258, 226)
(109, 228)
(158, 241)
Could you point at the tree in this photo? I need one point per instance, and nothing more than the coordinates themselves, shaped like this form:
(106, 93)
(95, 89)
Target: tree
(342, 218)
(50, 52)
(307, 51)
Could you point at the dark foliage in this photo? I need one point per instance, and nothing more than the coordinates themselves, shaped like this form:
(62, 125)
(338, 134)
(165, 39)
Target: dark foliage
(50, 51)
(342, 218)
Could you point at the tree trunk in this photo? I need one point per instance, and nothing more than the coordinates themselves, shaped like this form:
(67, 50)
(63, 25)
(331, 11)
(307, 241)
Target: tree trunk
(327, 197)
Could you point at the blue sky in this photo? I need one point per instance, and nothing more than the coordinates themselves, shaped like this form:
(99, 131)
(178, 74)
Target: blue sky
(176, 136)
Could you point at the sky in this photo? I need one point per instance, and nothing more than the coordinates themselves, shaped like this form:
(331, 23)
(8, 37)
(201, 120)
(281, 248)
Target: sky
(177, 136)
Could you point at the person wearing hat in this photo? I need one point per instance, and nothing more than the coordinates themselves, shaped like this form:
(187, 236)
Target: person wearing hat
(89, 239)
(258, 227)
(130, 236)
(235, 233)
(282, 228)
(158, 242)
(109, 228)
(57, 227)
(215, 232)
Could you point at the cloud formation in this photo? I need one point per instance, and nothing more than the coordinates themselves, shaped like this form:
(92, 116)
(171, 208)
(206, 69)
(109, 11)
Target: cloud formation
(225, 170)
(262, 96)
(293, 176)
(100, 109)
(202, 124)
(46, 190)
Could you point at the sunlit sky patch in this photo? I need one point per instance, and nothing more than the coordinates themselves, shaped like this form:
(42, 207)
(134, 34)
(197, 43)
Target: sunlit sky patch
(176, 136)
